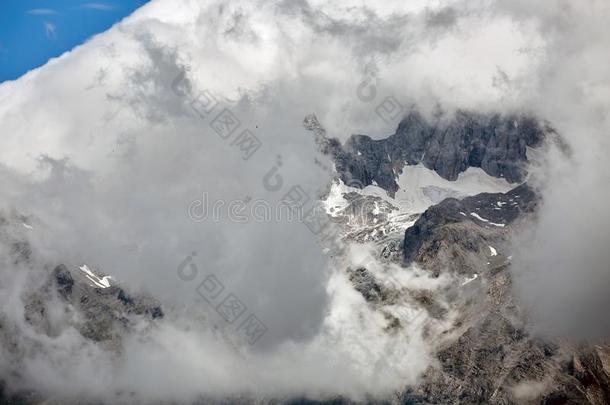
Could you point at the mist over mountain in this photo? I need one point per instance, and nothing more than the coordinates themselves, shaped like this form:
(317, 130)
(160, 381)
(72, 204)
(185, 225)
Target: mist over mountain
(282, 202)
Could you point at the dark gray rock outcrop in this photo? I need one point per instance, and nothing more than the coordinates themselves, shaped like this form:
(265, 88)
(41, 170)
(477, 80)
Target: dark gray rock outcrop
(106, 311)
(364, 282)
(458, 223)
(495, 143)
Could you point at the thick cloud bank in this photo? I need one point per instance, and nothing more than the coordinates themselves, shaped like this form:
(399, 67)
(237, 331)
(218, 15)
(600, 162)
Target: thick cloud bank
(112, 149)
(562, 264)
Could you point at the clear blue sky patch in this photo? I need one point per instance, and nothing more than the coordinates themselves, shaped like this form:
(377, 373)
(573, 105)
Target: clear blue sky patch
(33, 31)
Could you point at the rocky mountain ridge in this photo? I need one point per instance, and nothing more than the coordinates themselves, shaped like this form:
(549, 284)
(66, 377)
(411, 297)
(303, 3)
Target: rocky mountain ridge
(492, 356)
(495, 143)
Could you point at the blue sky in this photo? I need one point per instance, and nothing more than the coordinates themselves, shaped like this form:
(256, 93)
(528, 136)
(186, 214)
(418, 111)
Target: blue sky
(33, 31)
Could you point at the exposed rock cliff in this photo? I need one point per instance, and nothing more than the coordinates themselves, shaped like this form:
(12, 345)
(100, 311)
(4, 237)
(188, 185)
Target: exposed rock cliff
(495, 143)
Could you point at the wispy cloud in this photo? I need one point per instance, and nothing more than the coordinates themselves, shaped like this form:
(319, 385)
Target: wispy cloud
(41, 11)
(49, 29)
(99, 6)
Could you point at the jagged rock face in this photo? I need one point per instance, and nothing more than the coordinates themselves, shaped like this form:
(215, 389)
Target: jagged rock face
(497, 144)
(495, 359)
(364, 282)
(106, 311)
(100, 315)
(454, 227)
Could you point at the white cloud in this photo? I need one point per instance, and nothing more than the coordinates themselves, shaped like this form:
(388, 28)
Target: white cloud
(99, 6)
(42, 11)
(562, 261)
